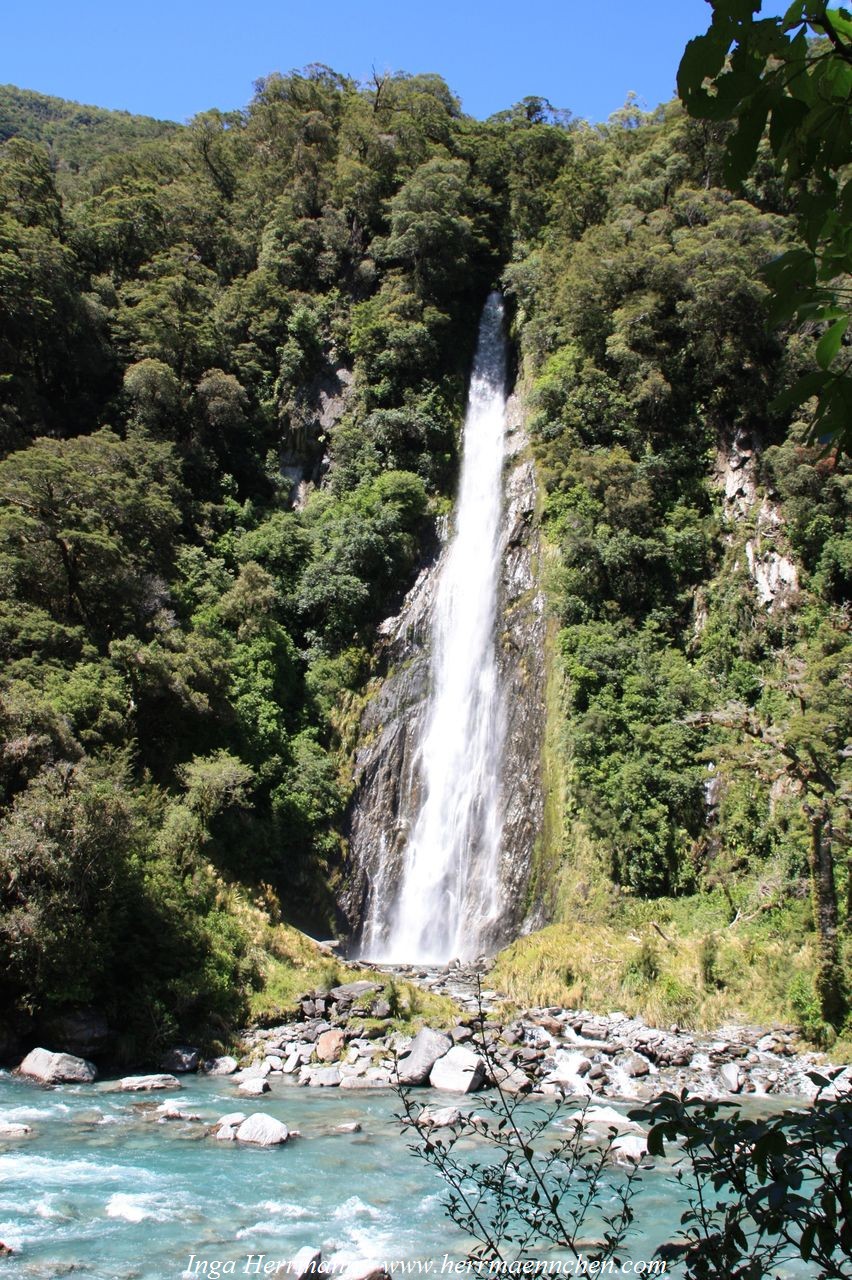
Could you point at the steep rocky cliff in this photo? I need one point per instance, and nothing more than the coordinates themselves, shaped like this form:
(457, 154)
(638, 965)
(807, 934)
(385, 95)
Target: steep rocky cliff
(386, 767)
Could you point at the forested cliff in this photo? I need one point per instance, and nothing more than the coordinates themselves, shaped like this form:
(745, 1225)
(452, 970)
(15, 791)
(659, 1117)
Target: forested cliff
(233, 359)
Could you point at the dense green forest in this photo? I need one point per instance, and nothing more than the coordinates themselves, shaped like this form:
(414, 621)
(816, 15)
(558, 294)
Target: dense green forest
(190, 317)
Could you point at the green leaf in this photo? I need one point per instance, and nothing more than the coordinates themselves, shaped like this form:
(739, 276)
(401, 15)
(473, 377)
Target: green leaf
(656, 1144)
(810, 385)
(829, 344)
(703, 58)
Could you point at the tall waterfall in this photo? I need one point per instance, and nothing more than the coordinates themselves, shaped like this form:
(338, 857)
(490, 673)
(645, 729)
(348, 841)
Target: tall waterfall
(447, 902)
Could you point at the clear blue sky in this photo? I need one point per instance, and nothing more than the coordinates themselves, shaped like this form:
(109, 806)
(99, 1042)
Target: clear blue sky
(174, 59)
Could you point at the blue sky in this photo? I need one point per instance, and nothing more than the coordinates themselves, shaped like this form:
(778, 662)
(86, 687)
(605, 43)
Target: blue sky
(174, 59)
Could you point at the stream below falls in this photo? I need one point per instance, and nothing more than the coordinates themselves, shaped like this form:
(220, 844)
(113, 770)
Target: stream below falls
(102, 1190)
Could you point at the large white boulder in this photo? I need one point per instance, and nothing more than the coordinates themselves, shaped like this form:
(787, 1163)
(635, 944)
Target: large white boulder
(459, 1071)
(263, 1131)
(57, 1068)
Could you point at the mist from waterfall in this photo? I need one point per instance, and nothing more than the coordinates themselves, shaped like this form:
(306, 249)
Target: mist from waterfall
(446, 901)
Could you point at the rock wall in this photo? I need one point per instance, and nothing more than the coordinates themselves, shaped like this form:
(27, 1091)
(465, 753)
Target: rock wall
(387, 785)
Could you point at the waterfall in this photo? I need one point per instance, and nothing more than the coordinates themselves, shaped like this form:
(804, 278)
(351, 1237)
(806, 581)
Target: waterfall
(447, 899)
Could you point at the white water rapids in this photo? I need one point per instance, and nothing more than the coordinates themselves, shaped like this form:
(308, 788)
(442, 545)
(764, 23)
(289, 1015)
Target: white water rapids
(447, 900)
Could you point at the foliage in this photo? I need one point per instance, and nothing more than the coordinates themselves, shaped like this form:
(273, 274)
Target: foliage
(795, 71)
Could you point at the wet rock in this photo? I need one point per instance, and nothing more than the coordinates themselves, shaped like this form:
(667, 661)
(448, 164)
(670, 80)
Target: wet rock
(425, 1050)
(438, 1117)
(8, 1129)
(166, 1111)
(253, 1087)
(224, 1066)
(330, 1044)
(263, 1131)
(732, 1077)
(306, 1263)
(629, 1147)
(57, 1068)
(636, 1066)
(146, 1084)
(320, 1077)
(373, 1078)
(180, 1060)
(459, 1071)
(512, 1081)
(351, 1126)
(233, 1119)
(568, 1069)
(605, 1118)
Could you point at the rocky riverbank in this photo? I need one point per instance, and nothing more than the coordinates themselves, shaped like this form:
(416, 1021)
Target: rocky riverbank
(343, 1038)
(349, 1037)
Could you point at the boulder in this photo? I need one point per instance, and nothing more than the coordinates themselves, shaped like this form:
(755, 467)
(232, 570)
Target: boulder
(374, 1078)
(459, 1071)
(253, 1087)
(351, 1126)
(512, 1081)
(255, 1070)
(145, 1084)
(732, 1077)
(425, 1050)
(262, 1131)
(168, 1111)
(57, 1068)
(636, 1066)
(438, 1117)
(629, 1147)
(351, 991)
(180, 1060)
(224, 1066)
(10, 1130)
(306, 1263)
(329, 1045)
(320, 1077)
(233, 1118)
(605, 1118)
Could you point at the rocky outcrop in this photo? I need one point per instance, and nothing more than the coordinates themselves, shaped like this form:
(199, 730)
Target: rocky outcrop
(387, 785)
(770, 568)
(57, 1068)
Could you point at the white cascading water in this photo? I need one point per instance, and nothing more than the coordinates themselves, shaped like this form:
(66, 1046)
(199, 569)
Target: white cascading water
(447, 901)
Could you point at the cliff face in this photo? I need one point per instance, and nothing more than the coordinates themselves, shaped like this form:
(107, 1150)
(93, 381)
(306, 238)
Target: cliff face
(386, 769)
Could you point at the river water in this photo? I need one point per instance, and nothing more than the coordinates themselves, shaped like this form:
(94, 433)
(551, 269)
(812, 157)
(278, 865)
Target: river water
(101, 1190)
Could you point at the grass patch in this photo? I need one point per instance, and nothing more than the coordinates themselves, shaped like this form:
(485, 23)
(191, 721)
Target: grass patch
(694, 979)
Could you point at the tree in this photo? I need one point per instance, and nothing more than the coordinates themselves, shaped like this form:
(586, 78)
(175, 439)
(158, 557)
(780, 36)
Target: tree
(795, 72)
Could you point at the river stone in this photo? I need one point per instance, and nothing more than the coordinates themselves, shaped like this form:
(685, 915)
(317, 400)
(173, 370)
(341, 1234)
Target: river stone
(330, 1044)
(732, 1077)
(605, 1117)
(459, 1071)
(636, 1066)
(144, 1084)
(425, 1050)
(629, 1146)
(9, 1130)
(511, 1080)
(438, 1117)
(307, 1262)
(57, 1068)
(253, 1087)
(262, 1131)
(224, 1066)
(233, 1119)
(373, 1078)
(181, 1059)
